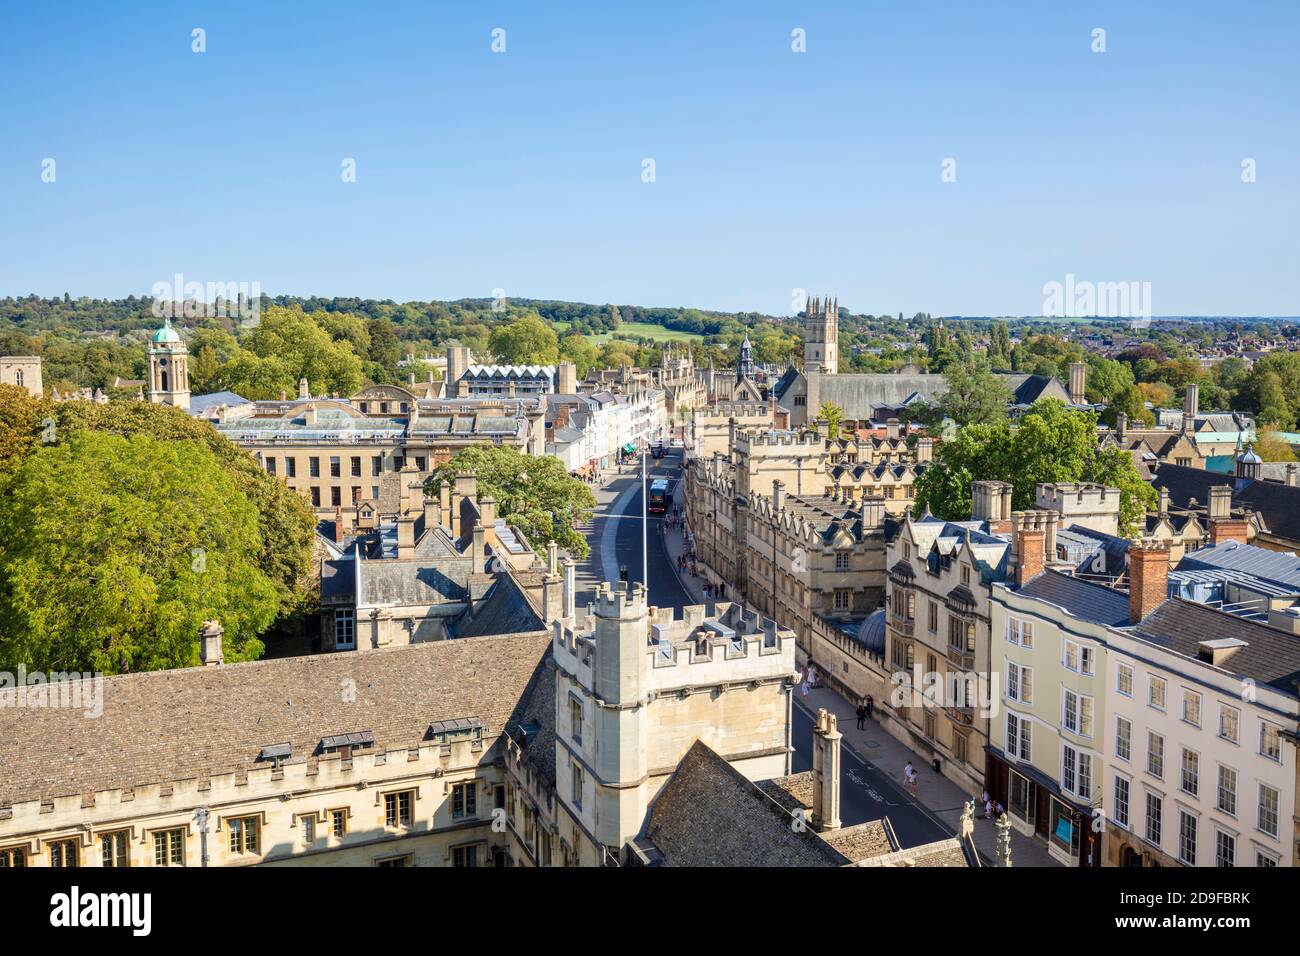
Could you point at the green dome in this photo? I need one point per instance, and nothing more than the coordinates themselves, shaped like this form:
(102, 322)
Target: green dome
(166, 333)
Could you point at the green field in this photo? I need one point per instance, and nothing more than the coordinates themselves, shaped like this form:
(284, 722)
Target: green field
(641, 330)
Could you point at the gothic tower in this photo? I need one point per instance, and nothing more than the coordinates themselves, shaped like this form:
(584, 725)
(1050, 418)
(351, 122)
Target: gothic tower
(821, 337)
(745, 363)
(169, 368)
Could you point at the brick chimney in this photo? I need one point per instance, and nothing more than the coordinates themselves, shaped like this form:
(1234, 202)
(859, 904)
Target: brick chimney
(1228, 529)
(1148, 577)
(1029, 554)
(338, 525)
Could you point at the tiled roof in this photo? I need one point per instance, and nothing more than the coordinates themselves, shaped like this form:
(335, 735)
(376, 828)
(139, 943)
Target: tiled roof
(164, 726)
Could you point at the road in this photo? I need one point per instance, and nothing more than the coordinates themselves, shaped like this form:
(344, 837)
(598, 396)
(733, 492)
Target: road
(615, 537)
(867, 792)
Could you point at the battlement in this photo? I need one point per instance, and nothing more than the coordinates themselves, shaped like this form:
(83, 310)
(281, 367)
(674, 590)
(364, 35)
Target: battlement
(621, 602)
(725, 410)
(1070, 497)
(773, 438)
(298, 777)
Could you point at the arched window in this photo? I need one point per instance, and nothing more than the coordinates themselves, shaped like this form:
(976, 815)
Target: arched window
(18, 378)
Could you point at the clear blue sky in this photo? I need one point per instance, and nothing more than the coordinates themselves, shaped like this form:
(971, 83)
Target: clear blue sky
(775, 170)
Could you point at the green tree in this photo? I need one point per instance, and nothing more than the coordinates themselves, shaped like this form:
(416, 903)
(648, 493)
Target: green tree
(833, 416)
(113, 551)
(534, 494)
(525, 341)
(287, 345)
(581, 351)
(1131, 403)
(1107, 378)
(1271, 446)
(1271, 400)
(974, 395)
(285, 521)
(1051, 443)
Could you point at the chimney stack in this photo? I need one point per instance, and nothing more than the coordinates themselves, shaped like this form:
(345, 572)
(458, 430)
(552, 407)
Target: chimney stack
(925, 448)
(1220, 502)
(210, 651)
(1121, 425)
(1078, 383)
(303, 390)
(567, 378)
(826, 772)
(778, 494)
(1148, 577)
(1191, 406)
(1228, 529)
(1291, 474)
(338, 525)
(1029, 554)
(891, 428)
(406, 535)
(1164, 502)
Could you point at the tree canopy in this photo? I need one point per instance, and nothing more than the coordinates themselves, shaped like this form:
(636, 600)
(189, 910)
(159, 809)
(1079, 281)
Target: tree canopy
(114, 550)
(534, 494)
(525, 341)
(1049, 444)
(285, 522)
(973, 395)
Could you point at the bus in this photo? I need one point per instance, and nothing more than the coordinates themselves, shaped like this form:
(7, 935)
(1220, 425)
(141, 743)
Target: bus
(661, 496)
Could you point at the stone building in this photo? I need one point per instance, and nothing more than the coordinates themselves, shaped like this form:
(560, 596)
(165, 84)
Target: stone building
(937, 640)
(23, 371)
(564, 746)
(447, 567)
(338, 452)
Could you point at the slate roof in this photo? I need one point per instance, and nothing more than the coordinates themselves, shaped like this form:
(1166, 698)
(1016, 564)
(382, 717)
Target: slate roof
(1278, 504)
(163, 726)
(1082, 599)
(1270, 656)
(201, 404)
(505, 610)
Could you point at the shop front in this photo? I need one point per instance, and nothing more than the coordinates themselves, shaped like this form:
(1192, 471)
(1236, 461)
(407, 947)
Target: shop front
(1038, 808)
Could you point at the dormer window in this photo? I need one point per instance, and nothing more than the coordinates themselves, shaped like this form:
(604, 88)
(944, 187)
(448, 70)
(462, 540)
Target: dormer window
(460, 728)
(344, 744)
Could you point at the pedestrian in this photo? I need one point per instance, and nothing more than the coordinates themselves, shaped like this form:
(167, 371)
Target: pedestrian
(907, 774)
(912, 779)
(871, 705)
(804, 684)
(862, 715)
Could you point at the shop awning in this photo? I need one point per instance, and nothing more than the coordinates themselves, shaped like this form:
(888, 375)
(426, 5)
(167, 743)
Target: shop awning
(629, 448)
